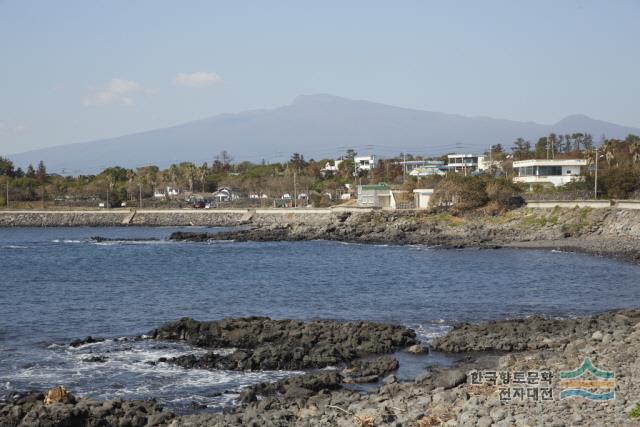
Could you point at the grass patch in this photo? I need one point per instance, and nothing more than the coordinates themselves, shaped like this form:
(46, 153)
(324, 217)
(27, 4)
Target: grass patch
(450, 220)
(635, 412)
(539, 221)
(581, 221)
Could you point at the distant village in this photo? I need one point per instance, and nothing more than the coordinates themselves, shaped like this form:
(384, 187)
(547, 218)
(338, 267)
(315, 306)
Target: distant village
(556, 167)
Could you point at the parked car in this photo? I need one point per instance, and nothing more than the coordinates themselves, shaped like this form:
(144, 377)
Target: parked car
(199, 204)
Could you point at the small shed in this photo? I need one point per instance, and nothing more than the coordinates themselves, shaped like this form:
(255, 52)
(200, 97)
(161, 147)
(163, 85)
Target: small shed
(421, 197)
(375, 196)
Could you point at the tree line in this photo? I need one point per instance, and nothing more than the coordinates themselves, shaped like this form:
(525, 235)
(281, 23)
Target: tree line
(618, 169)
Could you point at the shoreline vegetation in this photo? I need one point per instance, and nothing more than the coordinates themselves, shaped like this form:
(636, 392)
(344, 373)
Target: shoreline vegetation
(612, 171)
(360, 352)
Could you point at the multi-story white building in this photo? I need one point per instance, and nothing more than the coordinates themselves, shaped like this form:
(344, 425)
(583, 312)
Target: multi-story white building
(365, 163)
(465, 163)
(555, 172)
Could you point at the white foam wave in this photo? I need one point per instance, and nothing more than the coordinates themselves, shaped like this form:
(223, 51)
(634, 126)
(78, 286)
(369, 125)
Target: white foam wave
(429, 331)
(130, 370)
(133, 242)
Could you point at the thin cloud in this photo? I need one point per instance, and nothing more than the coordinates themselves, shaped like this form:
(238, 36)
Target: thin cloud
(19, 128)
(118, 91)
(198, 79)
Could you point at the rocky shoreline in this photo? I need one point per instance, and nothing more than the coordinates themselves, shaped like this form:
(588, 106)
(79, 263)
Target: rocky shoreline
(450, 396)
(608, 232)
(601, 232)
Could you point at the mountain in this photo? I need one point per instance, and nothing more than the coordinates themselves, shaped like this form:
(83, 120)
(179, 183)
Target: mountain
(317, 126)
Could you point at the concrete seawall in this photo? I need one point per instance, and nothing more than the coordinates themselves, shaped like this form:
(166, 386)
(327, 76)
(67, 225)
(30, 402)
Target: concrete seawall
(594, 204)
(166, 217)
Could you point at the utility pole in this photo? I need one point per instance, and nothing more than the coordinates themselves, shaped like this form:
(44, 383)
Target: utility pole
(108, 189)
(548, 147)
(140, 196)
(595, 187)
(404, 167)
(7, 191)
(295, 190)
(490, 160)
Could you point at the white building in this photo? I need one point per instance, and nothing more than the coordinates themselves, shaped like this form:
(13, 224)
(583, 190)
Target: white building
(555, 172)
(365, 163)
(376, 196)
(429, 170)
(485, 164)
(465, 163)
(421, 197)
(424, 167)
(226, 194)
(331, 168)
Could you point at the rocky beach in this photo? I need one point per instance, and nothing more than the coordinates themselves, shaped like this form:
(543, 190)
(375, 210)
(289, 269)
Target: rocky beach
(439, 396)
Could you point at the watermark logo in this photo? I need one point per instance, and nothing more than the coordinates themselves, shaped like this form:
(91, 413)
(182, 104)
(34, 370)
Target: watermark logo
(587, 382)
(516, 385)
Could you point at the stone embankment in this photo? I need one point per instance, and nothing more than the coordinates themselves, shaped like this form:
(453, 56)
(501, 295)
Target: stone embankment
(166, 217)
(119, 217)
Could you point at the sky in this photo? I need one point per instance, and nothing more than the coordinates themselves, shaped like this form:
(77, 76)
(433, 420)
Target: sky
(75, 71)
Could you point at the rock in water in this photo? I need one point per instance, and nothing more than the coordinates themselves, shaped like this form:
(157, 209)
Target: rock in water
(417, 349)
(265, 344)
(369, 370)
(88, 340)
(58, 395)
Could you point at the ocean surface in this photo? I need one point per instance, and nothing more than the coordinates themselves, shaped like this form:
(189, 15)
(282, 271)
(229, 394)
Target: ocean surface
(56, 285)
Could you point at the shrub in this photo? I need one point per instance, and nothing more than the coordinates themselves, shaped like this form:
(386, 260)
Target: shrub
(619, 183)
(459, 193)
(503, 194)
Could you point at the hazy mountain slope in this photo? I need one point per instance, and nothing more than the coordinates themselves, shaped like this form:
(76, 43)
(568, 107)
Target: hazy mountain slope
(316, 125)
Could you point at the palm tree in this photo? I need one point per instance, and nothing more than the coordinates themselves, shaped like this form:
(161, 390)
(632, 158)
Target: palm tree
(634, 151)
(202, 174)
(608, 148)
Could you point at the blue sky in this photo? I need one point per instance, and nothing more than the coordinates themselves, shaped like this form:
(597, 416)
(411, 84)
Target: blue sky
(74, 71)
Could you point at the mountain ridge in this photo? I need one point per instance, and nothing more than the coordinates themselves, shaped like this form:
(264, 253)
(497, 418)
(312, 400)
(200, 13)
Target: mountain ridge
(319, 126)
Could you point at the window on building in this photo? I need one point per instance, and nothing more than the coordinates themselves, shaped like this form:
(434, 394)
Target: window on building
(549, 170)
(526, 171)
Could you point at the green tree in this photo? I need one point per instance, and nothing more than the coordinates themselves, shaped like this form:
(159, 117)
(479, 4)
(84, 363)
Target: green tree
(521, 149)
(6, 167)
(297, 162)
(542, 149)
